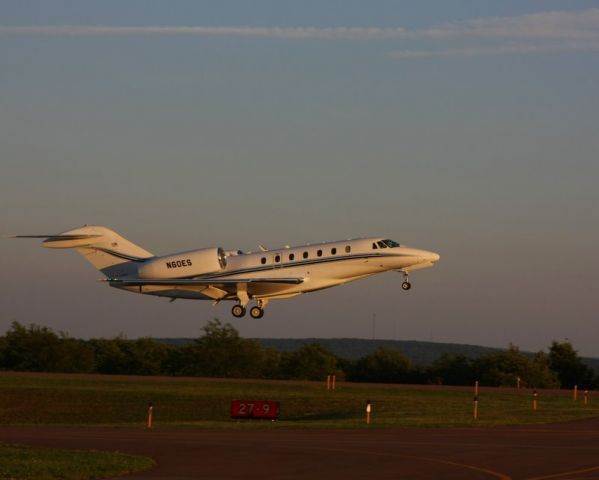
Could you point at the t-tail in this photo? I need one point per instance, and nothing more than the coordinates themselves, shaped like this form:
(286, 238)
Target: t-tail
(112, 254)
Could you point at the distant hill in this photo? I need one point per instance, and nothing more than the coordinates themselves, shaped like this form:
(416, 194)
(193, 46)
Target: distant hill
(420, 353)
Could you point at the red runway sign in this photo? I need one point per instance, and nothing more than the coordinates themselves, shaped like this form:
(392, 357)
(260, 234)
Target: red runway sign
(268, 410)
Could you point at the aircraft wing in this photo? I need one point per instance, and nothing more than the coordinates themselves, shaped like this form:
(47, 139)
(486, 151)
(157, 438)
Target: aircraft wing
(139, 282)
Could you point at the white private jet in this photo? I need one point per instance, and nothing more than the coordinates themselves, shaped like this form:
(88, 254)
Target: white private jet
(217, 274)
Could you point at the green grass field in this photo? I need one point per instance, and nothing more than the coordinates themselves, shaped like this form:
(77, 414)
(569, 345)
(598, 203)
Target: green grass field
(24, 463)
(45, 399)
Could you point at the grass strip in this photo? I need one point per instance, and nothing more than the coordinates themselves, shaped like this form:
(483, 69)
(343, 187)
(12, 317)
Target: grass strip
(112, 401)
(19, 462)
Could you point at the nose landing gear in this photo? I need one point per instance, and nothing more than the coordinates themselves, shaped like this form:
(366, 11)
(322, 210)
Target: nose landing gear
(406, 285)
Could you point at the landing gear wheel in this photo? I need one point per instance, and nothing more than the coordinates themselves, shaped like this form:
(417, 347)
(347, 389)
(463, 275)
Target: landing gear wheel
(256, 312)
(406, 285)
(238, 311)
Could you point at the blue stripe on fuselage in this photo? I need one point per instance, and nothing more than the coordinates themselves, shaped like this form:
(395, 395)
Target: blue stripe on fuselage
(281, 265)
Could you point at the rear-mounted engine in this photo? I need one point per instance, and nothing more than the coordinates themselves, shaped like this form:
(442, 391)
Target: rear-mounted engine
(185, 264)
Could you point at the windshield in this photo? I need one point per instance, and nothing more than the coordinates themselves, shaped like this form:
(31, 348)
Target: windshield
(389, 243)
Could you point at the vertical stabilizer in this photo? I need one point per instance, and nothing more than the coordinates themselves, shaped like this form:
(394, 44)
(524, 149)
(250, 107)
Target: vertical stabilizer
(112, 254)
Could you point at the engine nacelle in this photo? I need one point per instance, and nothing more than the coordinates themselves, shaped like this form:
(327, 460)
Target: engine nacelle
(185, 264)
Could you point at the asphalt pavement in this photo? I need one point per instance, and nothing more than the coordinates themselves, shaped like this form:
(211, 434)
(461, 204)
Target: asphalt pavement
(565, 451)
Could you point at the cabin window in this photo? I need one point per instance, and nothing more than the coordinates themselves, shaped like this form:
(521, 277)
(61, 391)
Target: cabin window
(319, 253)
(333, 251)
(305, 254)
(291, 257)
(263, 260)
(347, 249)
(277, 258)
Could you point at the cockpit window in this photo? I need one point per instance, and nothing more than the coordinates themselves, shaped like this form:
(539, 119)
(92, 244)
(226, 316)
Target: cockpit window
(374, 247)
(390, 243)
(382, 244)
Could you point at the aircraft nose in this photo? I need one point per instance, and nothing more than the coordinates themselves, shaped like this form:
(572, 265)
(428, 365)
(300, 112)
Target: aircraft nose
(432, 257)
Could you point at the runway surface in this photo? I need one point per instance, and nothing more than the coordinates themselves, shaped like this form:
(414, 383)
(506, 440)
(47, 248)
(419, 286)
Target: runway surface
(562, 451)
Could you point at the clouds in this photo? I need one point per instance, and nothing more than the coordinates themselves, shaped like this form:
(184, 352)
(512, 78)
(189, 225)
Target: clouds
(556, 31)
(510, 48)
(524, 34)
(290, 33)
(577, 25)
(468, 51)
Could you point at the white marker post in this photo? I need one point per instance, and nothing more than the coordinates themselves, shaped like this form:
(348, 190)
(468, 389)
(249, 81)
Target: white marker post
(476, 400)
(150, 409)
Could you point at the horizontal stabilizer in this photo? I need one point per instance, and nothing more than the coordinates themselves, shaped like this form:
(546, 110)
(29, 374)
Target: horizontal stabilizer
(63, 240)
(55, 236)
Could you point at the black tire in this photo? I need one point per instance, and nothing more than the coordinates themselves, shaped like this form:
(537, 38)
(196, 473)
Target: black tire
(256, 312)
(406, 285)
(238, 311)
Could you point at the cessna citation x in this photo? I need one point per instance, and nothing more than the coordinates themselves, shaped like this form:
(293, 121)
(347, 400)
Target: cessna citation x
(217, 274)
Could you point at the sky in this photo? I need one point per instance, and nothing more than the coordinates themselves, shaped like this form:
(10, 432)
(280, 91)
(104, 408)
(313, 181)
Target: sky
(468, 128)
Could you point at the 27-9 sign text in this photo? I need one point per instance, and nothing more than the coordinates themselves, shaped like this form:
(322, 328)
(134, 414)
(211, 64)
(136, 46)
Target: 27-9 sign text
(268, 410)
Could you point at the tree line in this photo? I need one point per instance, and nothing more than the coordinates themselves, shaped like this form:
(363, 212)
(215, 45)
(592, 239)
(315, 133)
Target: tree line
(221, 352)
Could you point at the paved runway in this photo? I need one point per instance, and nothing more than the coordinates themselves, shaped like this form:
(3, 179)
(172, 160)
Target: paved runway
(562, 452)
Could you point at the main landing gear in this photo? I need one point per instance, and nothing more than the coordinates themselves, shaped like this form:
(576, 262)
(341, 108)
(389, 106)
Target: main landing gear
(255, 312)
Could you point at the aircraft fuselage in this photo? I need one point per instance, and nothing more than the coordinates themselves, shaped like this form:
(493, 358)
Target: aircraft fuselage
(216, 274)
